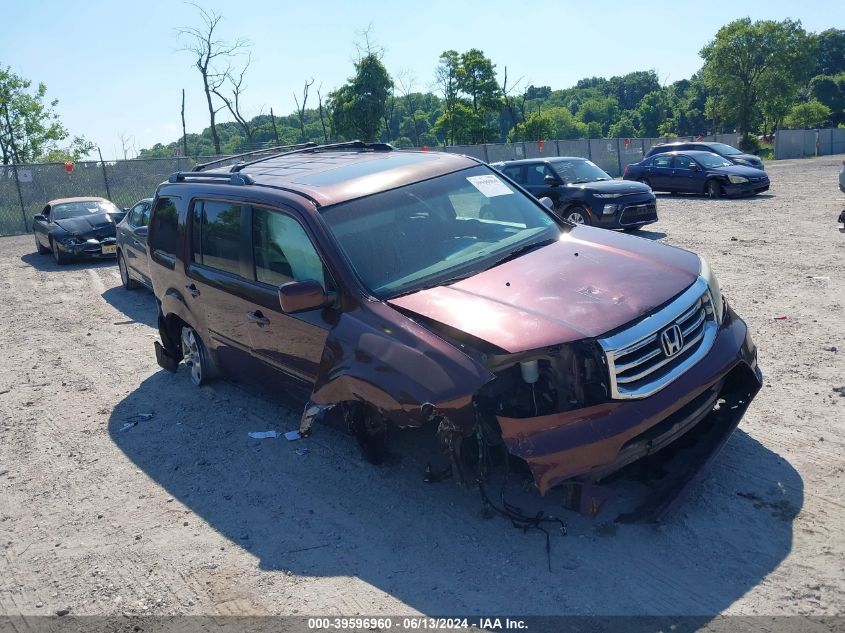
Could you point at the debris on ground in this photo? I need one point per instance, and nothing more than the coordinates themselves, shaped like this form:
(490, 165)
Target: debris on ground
(128, 423)
(302, 451)
(263, 435)
(292, 436)
(780, 317)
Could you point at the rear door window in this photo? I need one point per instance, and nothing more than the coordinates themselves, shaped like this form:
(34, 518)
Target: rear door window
(662, 160)
(219, 235)
(165, 229)
(515, 173)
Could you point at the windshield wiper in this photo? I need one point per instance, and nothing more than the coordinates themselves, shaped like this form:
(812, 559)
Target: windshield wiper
(521, 250)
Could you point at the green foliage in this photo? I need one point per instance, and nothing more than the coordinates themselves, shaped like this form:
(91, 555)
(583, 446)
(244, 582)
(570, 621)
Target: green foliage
(808, 115)
(30, 129)
(830, 52)
(358, 107)
(747, 57)
(554, 123)
(830, 90)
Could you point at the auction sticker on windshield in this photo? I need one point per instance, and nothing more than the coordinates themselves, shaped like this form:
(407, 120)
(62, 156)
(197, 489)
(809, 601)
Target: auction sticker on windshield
(490, 186)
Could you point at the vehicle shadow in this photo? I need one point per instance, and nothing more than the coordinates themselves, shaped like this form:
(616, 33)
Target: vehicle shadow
(138, 305)
(314, 508)
(649, 235)
(46, 263)
(756, 196)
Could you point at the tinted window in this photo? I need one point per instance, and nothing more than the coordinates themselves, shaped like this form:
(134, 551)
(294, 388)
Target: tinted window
(136, 214)
(220, 236)
(535, 174)
(662, 160)
(166, 227)
(145, 215)
(683, 162)
(282, 251)
(721, 148)
(515, 173)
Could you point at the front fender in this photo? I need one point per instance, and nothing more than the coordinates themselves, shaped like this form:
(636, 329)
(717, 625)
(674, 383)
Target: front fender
(378, 356)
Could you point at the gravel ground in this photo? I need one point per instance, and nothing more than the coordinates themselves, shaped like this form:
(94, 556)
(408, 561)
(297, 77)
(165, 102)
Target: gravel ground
(183, 513)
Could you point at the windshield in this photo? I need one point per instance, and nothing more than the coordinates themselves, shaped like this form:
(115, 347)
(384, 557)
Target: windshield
(431, 232)
(575, 171)
(67, 210)
(727, 150)
(713, 160)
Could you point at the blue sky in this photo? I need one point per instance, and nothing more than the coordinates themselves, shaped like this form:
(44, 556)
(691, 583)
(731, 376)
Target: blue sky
(115, 66)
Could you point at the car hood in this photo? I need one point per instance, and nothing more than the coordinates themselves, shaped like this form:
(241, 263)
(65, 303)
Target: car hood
(612, 186)
(95, 224)
(739, 170)
(590, 282)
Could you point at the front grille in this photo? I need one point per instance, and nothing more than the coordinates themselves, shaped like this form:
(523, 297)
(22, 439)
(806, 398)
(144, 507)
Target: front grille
(658, 349)
(635, 213)
(758, 179)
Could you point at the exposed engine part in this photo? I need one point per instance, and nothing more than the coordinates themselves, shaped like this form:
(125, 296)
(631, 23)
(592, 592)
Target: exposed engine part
(369, 428)
(311, 414)
(530, 371)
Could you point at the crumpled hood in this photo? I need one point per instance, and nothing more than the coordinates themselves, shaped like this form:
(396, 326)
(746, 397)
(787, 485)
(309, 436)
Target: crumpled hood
(100, 224)
(590, 282)
(613, 186)
(740, 170)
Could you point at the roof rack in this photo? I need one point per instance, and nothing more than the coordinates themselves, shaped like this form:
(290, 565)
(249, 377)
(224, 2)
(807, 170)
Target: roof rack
(295, 146)
(311, 147)
(232, 178)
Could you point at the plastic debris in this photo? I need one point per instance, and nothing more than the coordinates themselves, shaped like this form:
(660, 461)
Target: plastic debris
(263, 435)
(133, 421)
(781, 317)
(302, 451)
(292, 436)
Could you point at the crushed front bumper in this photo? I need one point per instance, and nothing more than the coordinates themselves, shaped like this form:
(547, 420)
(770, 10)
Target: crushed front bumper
(746, 188)
(93, 248)
(591, 443)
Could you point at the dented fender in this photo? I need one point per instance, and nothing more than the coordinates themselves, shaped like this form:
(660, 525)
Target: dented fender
(397, 366)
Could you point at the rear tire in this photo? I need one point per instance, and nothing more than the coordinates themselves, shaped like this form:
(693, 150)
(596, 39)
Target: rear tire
(713, 189)
(125, 279)
(59, 257)
(196, 357)
(41, 249)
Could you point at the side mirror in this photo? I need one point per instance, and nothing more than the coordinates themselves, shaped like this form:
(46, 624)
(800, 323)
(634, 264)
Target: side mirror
(41, 218)
(694, 167)
(547, 202)
(551, 181)
(299, 296)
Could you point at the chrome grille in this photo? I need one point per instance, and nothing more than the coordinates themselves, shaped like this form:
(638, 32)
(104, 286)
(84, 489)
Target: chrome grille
(658, 349)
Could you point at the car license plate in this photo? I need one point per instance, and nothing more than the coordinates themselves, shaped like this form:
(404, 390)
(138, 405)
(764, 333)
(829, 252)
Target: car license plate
(109, 249)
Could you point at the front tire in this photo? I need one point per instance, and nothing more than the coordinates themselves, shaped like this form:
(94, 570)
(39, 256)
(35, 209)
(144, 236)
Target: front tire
(195, 355)
(41, 249)
(713, 189)
(125, 279)
(59, 257)
(577, 215)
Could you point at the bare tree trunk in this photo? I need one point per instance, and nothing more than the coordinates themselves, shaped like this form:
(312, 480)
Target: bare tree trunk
(275, 129)
(184, 132)
(300, 109)
(322, 120)
(15, 155)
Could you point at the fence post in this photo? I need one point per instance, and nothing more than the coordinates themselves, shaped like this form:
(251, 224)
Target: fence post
(619, 157)
(20, 197)
(486, 155)
(105, 175)
(557, 147)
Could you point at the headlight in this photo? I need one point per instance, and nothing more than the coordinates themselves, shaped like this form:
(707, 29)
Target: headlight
(737, 180)
(715, 292)
(71, 241)
(607, 196)
(609, 209)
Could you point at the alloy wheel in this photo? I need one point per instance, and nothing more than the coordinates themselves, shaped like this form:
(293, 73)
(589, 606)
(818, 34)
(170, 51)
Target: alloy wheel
(192, 354)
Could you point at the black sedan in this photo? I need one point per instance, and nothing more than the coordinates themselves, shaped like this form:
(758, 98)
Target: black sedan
(132, 246)
(76, 228)
(583, 193)
(728, 152)
(697, 172)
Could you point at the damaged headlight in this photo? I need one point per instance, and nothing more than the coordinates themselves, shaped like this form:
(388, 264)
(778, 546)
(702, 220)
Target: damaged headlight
(715, 292)
(737, 180)
(71, 241)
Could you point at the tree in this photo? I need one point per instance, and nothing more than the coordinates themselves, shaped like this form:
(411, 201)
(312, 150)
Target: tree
(30, 128)
(831, 92)
(623, 128)
(233, 104)
(554, 123)
(600, 110)
(446, 76)
(630, 89)
(830, 52)
(209, 53)
(745, 56)
(650, 114)
(358, 106)
(300, 108)
(812, 114)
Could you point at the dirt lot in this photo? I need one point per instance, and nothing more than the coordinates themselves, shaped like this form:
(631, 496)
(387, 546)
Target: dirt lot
(183, 513)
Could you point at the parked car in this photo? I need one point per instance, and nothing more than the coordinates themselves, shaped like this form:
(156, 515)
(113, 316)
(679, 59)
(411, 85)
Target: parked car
(132, 246)
(583, 193)
(423, 289)
(842, 178)
(76, 228)
(734, 155)
(697, 172)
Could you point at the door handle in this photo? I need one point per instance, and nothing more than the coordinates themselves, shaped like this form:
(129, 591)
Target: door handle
(195, 292)
(258, 317)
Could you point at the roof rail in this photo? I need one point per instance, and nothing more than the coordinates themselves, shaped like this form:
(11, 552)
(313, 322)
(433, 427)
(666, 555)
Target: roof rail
(202, 166)
(233, 179)
(311, 147)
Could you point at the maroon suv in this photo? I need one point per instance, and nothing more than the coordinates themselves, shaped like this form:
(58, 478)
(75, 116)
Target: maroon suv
(413, 289)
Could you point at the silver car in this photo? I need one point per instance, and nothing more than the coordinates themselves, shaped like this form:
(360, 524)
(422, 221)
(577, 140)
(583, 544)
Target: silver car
(132, 246)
